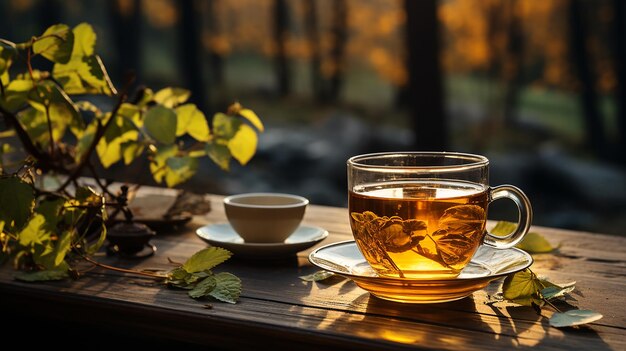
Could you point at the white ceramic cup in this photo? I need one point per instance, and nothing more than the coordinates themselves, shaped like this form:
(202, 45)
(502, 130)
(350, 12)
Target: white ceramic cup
(265, 217)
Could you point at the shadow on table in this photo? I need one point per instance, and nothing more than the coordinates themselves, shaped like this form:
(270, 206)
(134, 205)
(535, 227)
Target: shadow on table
(531, 330)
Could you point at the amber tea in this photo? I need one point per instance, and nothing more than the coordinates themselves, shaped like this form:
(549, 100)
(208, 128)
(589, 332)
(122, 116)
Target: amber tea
(419, 229)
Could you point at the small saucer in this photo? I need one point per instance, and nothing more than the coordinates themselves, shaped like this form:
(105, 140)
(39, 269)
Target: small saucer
(223, 235)
(344, 258)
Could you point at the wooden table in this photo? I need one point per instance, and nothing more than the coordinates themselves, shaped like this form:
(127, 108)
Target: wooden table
(277, 309)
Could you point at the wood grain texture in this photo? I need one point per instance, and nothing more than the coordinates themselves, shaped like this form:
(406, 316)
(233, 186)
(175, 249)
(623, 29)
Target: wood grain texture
(278, 309)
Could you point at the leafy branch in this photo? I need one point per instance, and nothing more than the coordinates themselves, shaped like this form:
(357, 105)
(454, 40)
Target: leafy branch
(44, 232)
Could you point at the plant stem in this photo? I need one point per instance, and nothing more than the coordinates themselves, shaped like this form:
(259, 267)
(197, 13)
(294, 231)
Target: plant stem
(123, 270)
(102, 186)
(551, 305)
(98, 135)
(28, 64)
(49, 120)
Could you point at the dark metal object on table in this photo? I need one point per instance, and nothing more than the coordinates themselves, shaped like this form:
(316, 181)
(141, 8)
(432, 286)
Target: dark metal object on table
(130, 240)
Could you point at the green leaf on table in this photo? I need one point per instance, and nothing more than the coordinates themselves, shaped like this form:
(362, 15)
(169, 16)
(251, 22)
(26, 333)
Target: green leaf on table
(178, 273)
(180, 169)
(532, 242)
(573, 317)
(17, 201)
(203, 288)
(180, 278)
(171, 97)
(47, 275)
(55, 44)
(535, 243)
(317, 276)
(243, 144)
(220, 154)
(524, 288)
(160, 123)
(193, 122)
(206, 259)
(553, 292)
(227, 287)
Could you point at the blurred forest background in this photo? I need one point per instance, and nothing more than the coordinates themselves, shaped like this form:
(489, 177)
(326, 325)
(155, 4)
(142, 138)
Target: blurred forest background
(537, 86)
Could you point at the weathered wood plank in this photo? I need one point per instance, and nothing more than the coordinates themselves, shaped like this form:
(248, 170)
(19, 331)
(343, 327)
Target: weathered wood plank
(277, 307)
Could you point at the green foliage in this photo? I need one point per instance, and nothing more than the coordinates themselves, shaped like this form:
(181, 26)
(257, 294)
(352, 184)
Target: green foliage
(55, 43)
(44, 232)
(526, 289)
(41, 231)
(196, 276)
(206, 259)
(44, 106)
(17, 200)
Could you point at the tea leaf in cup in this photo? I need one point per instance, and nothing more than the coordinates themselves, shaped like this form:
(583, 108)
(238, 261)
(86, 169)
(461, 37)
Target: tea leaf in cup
(573, 317)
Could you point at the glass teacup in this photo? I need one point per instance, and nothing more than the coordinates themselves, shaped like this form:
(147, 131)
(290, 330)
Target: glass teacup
(423, 214)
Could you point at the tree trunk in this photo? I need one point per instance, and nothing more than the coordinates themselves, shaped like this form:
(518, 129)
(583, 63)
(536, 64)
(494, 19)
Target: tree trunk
(425, 75)
(215, 56)
(190, 53)
(311, 27)
(126, 27)
(7, 23)
(619, 33)
(513, 65)
(337, 54)
(281, 27)
(594, 128)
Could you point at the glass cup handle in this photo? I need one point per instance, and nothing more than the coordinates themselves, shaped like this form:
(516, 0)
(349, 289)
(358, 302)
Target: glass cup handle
(523, 221)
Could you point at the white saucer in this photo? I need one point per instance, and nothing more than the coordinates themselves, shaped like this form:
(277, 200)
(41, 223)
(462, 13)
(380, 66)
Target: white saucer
(223, 235)
(344, 258)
